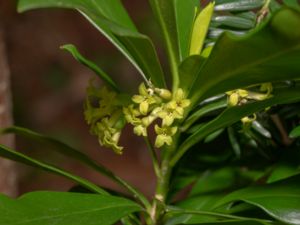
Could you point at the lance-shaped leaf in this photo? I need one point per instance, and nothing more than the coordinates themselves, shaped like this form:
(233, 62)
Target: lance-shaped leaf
(165, 14)
(185, 12)
(111, 19)
(198, 210)
(19, 157)
(234, 114)
(269, 54)
(200, 29)
(279, 199)
(76, 54)
(60, 208)
(239, 5)
(73, 153)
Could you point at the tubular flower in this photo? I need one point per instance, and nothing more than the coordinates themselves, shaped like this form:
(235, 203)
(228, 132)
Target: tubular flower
(241, 96)
(168, 114)
(164, 135)
(131, 115)
(163, 93)
(179, 102)
(104, 116)
(145, 98)
(237, 97)
(153, 103)
(174, 109)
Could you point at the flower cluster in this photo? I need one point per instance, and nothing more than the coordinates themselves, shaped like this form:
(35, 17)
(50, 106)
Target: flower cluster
(104, 116)
(242, 96)
(155, 103)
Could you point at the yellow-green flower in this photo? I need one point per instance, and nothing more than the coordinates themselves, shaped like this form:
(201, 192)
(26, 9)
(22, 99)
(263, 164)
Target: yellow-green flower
(174, 109)
(240, 96)
(144, 99)
(236, 96)
(111, 141)
(163, 93)
(168, 114)
(149, 119)
(131, 115)
(164, 135)
(109, 136)
(140, 130)
(104, 116)
(179, 102)
(248, 120)
(266, 87)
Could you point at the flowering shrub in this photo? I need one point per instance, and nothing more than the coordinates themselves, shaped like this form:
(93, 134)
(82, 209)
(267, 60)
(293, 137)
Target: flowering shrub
(234, 71)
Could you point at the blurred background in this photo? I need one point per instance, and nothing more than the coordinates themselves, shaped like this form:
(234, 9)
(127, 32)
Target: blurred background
(48, 91)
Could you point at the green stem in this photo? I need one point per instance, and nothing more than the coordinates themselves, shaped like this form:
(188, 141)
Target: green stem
(153, 156)
(162, 187)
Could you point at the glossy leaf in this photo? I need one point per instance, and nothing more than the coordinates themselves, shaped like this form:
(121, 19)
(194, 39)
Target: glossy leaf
(257, 126)
(19, 157)
(283, 171)
(204, 110)
(269, 54)
(57, 208)
(111, 19)
(164, 11)
(188, 69)
(234, 22)
(239, 5)
(280, 199)
(185, 12)
(200, 29)
(222, 180)
(71, 152)
(197, 210)
(234, 114)
(295, 133)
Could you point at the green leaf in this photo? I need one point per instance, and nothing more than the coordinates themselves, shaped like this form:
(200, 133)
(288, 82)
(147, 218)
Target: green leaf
(200, 29)
(69, 151)
(295, 133)
(111, 19)
(269, 54)
(280, 199)
(213, 181)
(185, 12)
(283, 171)
(197, 210)
(48, 208)
(222, 180)
(234, 141)
(213, 135)
(239, 5)
(164, 11)
(21, 158)
(188, 69)
(292, 3)
(234, 22)
(204, 110)
(234, 114)
(102, 75)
